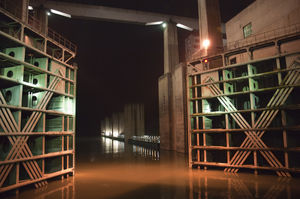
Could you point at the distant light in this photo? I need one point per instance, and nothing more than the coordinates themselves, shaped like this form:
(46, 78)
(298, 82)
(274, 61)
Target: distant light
(48, 13)
(60, 13)
(164, 25)
(206, 43)
(154, 23)
(205, 61)
(184, 27)
(30, 8)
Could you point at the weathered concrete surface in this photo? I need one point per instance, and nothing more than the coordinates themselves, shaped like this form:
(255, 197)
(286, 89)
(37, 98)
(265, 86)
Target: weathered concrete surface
(264, 15)
(210, 24)
(172, 110)
(165, 112)
(130, 123)
(171, 57)
(179, 108)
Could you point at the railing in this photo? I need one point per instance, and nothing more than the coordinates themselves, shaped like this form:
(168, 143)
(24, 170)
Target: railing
(147, 138)
(61, 40)
(269, 35)
(34, 23)
(12, 8)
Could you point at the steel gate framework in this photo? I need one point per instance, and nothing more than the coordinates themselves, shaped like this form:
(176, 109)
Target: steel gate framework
(267, 96)
(37, 102)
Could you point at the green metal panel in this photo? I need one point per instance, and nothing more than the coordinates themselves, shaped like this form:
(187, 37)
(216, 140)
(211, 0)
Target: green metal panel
(13, 95)
(53, 144)
(16, 72)
(17, 53)
(53, 165)
(53, 123)
(40, 62)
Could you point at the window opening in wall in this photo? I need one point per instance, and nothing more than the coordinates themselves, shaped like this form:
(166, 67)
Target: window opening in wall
(247, 30)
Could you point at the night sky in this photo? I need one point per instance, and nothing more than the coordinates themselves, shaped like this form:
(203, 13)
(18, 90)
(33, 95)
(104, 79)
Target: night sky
(120, 63)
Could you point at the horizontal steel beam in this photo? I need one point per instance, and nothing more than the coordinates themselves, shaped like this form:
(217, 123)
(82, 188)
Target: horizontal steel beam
(297, 149)
(54, 133)
(217, 164)
(48, 155)
(117, 14)
(27, 182)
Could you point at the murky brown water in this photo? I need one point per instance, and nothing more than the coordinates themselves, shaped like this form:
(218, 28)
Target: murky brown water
(108, 169)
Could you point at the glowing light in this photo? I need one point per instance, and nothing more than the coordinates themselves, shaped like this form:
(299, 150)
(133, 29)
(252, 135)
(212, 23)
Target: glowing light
(60, 13)
(30, 8)
(154, 23)
(205, 61)
(115, 133)
(184, 27)
(206, 43)
(48, 13)
(164, 25)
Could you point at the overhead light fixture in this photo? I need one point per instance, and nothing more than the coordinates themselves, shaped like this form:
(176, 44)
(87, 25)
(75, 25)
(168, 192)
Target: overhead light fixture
(30, 8)
(179, 25)
(48, 13)
(206, 43)
(154, 23)
(164, 25)
(60, 13)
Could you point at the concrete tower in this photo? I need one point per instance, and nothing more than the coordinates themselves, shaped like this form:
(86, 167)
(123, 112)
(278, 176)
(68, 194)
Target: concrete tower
(209, 26)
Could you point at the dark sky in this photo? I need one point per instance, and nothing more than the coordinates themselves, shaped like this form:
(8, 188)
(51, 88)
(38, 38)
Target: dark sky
(121, 63)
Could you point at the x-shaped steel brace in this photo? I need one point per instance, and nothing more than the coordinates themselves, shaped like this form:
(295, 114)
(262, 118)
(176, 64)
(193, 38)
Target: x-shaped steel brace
(253, 139)
(20, 148)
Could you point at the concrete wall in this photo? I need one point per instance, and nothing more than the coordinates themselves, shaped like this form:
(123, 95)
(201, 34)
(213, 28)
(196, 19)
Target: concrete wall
(129, 123)
(172, 110)
(264, 15)
(165, 112)
(179, 107)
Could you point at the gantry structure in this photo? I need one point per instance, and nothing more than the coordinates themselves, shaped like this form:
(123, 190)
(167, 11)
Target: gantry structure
(37, 98)
(243, 105)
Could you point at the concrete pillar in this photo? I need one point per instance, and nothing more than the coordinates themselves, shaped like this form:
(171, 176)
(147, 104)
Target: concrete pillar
(121, 123)
(43, 17)
(167, 101)
(210, 25)
(24, 7)
(165, 112)
(171, 57)
(179, 108)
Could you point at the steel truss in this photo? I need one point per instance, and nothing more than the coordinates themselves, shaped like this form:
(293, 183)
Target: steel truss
(232, 107)
(37, 106)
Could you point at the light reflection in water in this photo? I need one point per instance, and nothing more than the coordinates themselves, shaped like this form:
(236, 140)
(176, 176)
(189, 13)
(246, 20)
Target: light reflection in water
(112, 146)
(115, 147)
(146, 152)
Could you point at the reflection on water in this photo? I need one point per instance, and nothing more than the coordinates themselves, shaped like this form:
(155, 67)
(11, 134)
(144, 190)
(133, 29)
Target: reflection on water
(128, 174)
(146, 152)
(110, 146)
(117, 148)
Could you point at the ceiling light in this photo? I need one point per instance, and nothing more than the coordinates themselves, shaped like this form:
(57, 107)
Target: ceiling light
(154, 23)
(184, 27)
(60, 13)
(30, 8)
